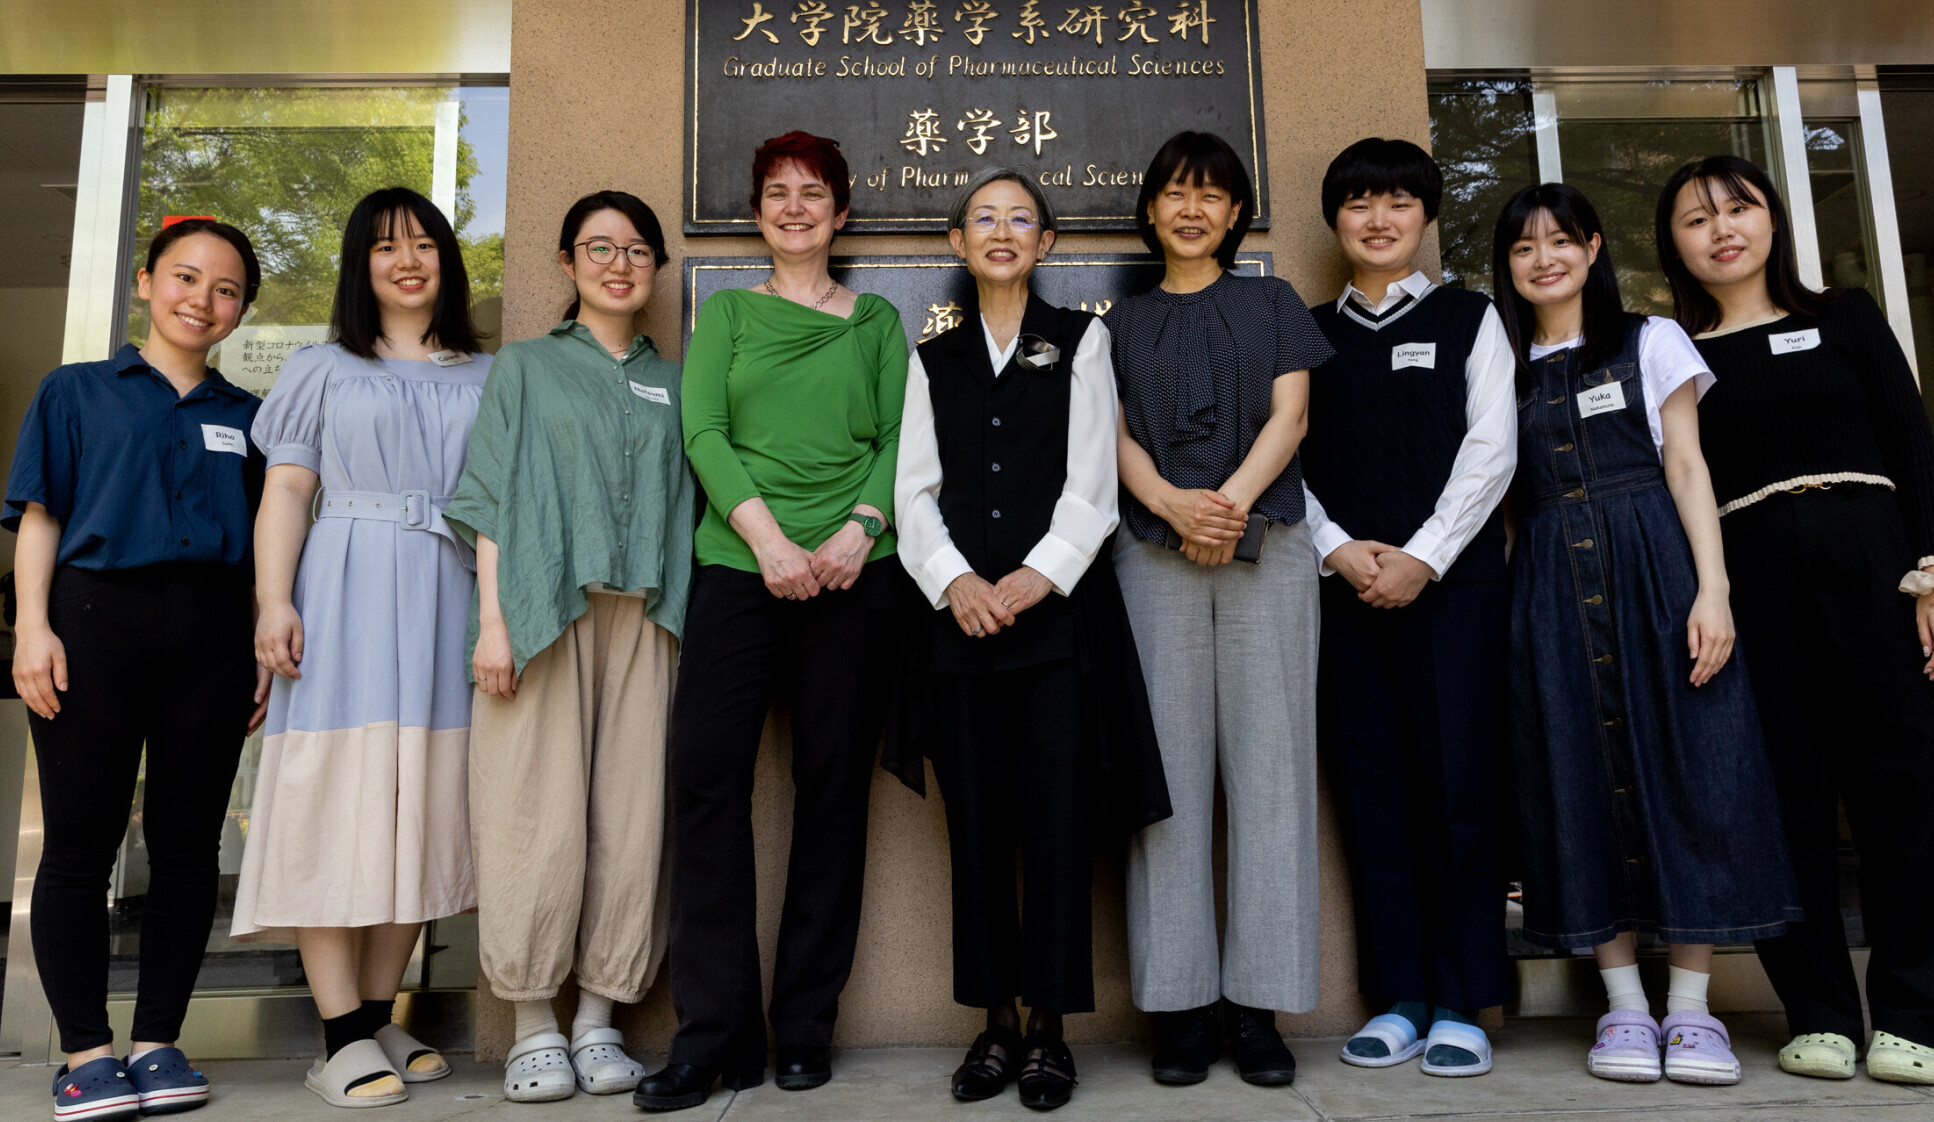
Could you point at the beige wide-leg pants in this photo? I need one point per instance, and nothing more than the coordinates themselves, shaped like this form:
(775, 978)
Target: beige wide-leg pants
(567, 810)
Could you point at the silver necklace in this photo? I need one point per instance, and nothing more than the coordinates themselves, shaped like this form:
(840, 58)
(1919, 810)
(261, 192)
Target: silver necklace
(817, 304)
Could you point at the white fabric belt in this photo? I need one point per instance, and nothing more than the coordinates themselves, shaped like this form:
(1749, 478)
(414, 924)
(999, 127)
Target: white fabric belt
(412, 510)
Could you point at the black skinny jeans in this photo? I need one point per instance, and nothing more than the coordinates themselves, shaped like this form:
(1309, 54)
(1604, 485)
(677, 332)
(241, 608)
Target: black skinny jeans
(160, 657)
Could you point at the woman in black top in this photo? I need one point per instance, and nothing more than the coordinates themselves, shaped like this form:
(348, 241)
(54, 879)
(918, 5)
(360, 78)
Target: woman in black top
(1022, 687)
(1823, 465)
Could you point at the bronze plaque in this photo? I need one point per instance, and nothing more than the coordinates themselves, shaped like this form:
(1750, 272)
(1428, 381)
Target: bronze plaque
(920, 93)
(931, 292)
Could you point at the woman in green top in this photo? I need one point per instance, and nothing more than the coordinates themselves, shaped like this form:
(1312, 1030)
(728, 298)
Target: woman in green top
(577, 498)
(792, 421)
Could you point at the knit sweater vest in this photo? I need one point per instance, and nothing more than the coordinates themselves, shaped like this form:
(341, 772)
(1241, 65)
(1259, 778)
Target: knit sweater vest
(1387, 416)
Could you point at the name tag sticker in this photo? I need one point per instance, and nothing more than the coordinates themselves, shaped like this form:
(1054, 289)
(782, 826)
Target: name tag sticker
(1413, 354)
(221, 438)
(652, 393)
(1608, 398)
(449, 358)
(1794, 341)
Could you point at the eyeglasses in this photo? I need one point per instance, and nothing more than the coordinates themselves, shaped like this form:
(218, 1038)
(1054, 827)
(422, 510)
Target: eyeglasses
(602, 252)
(1016, 223)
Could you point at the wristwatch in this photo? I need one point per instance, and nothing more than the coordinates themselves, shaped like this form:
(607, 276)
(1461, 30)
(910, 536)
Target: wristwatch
(874, 527)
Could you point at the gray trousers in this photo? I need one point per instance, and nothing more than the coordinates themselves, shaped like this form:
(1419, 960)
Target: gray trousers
(1230, 657)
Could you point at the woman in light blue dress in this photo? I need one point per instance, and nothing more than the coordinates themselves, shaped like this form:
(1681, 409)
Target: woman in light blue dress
(360, 830)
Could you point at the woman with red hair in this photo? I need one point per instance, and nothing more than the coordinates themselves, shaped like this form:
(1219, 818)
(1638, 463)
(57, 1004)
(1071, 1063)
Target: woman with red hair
(791, 403)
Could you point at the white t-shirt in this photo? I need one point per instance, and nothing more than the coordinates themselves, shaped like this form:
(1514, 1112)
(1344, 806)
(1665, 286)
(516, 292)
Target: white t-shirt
(1667, 360)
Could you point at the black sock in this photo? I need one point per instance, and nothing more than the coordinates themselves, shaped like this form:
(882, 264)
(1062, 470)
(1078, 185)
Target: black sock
(376, 1014)
(340, 1032)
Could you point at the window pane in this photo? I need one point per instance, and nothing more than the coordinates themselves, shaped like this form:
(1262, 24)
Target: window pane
(1840, 204)
(1482, 133)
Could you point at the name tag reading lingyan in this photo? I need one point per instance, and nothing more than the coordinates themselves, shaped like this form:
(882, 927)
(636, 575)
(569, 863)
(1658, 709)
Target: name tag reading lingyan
(1793, 341)
(221, 438)
(1608, 398)
(652, 393)
(1413, 354)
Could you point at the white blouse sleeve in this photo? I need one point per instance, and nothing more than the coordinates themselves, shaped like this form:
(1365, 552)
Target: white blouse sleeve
(1324, 534)
(1485, 460)
(925, 547)
(1667, 360)
(1088, 509)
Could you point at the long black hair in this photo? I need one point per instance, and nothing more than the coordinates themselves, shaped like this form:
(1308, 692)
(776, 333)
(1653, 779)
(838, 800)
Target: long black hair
(187, 227)
(629, 205)
(1198, 158)
(354, 320)
(1737, 179)
(1604, 310)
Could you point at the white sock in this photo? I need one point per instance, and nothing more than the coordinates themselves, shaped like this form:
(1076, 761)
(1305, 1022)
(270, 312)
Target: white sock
(1687, 993)
(594, 1012)
(534, 1017)
(1623, 987)
(133, 1056)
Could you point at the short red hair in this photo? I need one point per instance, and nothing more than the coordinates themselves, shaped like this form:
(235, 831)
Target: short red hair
(816, 156)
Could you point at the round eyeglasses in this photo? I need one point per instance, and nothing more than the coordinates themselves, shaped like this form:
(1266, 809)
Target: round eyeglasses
(1016, 223)
(602, 252)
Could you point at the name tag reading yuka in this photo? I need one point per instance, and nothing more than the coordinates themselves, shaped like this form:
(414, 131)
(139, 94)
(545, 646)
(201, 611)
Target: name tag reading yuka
(652, 393)
(1608, 398)
(1793, 341)
(221, 438)
(1413, 354)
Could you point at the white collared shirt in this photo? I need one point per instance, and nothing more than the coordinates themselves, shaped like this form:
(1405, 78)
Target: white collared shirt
(1084, 516)
(1485, 461)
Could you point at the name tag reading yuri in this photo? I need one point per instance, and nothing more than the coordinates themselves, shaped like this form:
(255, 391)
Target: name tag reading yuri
(652, 393)
(1608, 398)
(221, 438)
(1413, 354)
(1793, 341)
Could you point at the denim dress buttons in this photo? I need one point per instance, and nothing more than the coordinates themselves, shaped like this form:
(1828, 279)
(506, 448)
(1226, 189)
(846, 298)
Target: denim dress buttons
(1645, 804)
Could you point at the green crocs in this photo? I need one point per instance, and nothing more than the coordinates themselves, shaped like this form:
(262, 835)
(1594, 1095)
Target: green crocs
(1822, 1055)
(1894, 1060)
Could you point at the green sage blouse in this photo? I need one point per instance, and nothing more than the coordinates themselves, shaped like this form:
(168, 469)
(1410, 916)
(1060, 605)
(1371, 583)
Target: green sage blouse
(577, 472)
(795, 406)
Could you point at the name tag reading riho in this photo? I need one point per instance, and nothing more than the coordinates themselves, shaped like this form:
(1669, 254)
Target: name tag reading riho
(922, 93)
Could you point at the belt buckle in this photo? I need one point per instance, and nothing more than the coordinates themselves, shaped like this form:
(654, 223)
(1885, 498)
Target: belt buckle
(416, 509)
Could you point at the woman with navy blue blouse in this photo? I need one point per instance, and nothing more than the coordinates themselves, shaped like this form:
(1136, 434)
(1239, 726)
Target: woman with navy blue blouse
(132, 490)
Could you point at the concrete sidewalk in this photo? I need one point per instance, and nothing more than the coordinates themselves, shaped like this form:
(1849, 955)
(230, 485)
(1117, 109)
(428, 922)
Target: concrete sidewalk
(1540, 1075)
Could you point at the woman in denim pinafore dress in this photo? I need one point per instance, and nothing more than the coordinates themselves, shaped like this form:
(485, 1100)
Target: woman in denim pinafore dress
(1645, 798)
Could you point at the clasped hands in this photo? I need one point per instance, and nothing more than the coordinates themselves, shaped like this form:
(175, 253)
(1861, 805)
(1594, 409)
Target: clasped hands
(1209, 523)
(1384, 576)
(792, 572)
(982, 609)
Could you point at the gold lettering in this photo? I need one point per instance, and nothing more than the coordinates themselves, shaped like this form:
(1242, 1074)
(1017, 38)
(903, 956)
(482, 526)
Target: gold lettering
(814, 12)
(981, 120)
(867, 22)
(759, 15)
(941, 318)
(1033, 27)
(981, 12)
(1188, 14)
(1134, 19)
(1033, 130)
(923, 132)
(922, 21)
(1080, 23)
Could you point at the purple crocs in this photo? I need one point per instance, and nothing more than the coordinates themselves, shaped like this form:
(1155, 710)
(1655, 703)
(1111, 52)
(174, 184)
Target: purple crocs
(1627, 1048)
(1697, 1050)
(96, 1091)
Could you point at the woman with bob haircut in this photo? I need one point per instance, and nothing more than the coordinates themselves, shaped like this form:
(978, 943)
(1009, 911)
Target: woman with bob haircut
(1411, 462)
(360, 832)
(1644, 798)
(791, 404)
(1022, 685)
(578, 500)
(1220, 579)
(132, 489)
(1823, 466)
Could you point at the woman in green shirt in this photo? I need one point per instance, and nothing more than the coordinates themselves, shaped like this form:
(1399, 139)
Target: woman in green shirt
(577, 498)
(792, 421)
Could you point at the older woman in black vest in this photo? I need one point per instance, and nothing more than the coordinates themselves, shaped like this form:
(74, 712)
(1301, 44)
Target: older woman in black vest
(1023, 688)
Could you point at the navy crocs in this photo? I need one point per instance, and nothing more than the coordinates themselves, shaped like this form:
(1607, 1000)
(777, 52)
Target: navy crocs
(167, 1082)
(97, 1091)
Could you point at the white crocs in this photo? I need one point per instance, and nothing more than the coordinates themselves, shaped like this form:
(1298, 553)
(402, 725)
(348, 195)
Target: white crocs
(538, 1070)
(602, 1066)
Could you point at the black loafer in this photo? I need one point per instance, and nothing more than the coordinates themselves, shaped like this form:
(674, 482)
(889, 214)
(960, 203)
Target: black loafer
(683, 1086)
(986, 1073)
(801, 1067)
(1260, 1054)
(1185, 1045)
(1047, 1077)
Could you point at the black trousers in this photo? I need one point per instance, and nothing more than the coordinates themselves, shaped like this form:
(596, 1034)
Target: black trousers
(161, 658)
(1011, 766)
(1849, 719)
(1409, 725)
(830, 657)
